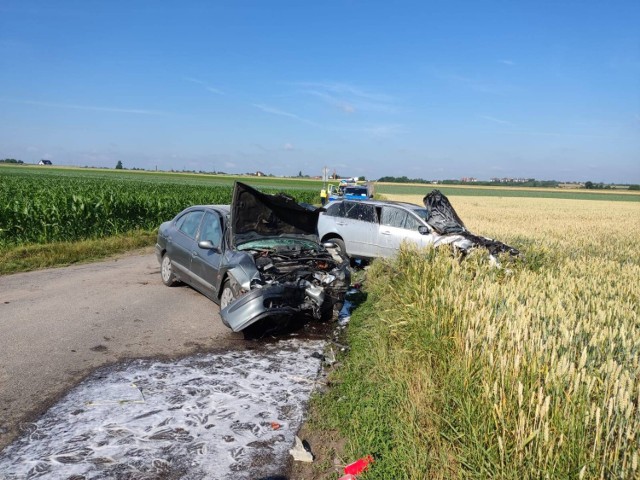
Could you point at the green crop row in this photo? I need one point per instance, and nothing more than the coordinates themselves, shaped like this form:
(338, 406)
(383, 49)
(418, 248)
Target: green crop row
(520, 192)
(137, 176)
(52, 208)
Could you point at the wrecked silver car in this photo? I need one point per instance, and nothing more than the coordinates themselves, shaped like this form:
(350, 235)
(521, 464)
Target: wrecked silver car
(259, 259)
(444, 221)
(376, 228)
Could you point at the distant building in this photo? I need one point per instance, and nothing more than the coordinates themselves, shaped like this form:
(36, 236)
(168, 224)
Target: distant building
(468, 180)
(511, 180)
(45, 162)
(260, 174)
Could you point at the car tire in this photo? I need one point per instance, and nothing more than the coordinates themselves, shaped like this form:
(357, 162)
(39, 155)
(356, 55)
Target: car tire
(229, 293)
(327, 311)
(339, 245)
(254, 332)
(166, 271)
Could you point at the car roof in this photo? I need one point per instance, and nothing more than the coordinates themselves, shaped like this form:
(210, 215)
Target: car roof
(221, 208)
(379, 203)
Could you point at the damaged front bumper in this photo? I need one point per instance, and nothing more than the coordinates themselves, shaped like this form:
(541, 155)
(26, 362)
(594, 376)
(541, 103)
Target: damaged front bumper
(274, 302)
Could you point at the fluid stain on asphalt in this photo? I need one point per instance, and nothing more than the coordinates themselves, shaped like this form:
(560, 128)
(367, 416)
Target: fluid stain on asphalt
(209, 416)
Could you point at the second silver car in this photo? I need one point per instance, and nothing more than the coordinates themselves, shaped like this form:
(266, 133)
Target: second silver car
(375, 228)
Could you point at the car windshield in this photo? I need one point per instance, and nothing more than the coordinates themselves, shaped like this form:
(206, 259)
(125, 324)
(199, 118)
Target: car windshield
(279, 243)
(356, 191)
(423, 213)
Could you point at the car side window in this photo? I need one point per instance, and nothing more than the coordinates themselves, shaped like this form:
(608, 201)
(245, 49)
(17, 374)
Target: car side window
(189, 226)
(180, 221)
(369, 213)
(350, 210)
(393, 217)
(412, 223)
(360, 211)
(335, 210)
(211, 229)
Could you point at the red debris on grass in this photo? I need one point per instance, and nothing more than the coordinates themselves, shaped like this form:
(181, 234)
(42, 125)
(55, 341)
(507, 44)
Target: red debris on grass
(359, 466)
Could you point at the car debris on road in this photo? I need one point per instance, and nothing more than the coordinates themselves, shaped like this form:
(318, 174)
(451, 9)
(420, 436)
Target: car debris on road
(301, 452)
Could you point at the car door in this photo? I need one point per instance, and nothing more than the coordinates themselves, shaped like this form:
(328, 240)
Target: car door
(359, 229)
(182, 241)
(397, 225)
(205, 262)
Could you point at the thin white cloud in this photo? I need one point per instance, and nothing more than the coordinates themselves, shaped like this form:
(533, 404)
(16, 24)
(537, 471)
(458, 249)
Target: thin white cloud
(282, 113)
(496, 120)
(349, 98)
(208, 87)
(347, 107)
(93, 108)
(557, 134)
(329, 99)
(510, 63)
(275, 111)
(383, 131)
(345, 88)
(477, 84)
(341, 105)
(288, 147)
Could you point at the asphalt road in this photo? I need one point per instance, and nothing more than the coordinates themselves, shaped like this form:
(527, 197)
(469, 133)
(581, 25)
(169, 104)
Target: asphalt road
(58, 325)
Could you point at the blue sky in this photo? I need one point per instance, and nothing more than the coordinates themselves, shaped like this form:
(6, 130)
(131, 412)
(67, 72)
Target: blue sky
(429, 89)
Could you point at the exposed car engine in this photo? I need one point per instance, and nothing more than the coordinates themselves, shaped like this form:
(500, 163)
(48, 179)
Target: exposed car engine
(313, 280)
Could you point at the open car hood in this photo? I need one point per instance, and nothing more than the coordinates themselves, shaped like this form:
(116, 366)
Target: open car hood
(257, 215)
(446, 222)
(442, 217)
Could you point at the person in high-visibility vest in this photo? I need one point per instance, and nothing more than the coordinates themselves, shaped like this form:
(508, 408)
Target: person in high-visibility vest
(323, 196)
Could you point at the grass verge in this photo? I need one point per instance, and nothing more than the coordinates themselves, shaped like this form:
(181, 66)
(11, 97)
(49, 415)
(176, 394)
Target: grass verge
(33, 257)
(388, 397)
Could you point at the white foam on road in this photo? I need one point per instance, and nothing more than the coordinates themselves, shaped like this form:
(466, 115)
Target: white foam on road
(204, 417)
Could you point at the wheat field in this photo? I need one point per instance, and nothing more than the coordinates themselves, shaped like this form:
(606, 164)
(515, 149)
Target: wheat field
(552, 342)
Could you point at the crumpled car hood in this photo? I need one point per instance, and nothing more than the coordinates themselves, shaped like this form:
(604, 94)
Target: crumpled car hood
(257, 215)
(442, 217)
(446, 222)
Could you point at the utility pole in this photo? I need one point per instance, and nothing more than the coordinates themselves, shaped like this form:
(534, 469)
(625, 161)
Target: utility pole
(325, 176)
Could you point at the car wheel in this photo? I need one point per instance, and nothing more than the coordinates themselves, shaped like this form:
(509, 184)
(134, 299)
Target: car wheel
(339, 245)
(254, 332)
(229, 293)
(166, 272)
(326, 311)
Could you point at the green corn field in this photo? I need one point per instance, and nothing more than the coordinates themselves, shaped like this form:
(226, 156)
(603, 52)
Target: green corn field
(49, 207)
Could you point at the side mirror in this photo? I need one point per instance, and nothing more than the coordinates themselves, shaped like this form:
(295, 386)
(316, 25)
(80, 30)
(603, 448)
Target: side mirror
(423, 230)
(208, 245)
